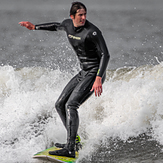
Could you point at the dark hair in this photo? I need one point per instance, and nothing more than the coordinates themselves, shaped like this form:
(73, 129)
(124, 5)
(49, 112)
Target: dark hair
(76, 6)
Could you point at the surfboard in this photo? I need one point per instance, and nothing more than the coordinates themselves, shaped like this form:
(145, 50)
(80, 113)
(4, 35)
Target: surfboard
(44, 155)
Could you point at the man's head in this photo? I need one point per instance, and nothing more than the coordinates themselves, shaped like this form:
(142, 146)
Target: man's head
(78, 13)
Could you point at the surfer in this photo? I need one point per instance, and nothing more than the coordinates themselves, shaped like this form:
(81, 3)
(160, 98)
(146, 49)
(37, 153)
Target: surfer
(90, 47)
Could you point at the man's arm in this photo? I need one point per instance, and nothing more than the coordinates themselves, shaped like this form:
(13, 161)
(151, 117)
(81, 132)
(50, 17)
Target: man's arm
(47, 26)
(99, 41)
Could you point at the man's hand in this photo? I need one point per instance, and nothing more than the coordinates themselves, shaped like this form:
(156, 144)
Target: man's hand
(28, 25)
(97, 86)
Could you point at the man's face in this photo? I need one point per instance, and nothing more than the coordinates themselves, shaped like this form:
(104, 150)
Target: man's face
(80, 18)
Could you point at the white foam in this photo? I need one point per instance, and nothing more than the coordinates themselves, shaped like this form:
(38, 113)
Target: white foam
(131, 104)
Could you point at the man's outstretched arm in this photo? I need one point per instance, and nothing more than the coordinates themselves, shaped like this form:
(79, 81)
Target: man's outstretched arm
(54, 26)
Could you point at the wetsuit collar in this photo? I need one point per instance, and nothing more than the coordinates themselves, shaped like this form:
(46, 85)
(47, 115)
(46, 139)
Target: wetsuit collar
(78, 29)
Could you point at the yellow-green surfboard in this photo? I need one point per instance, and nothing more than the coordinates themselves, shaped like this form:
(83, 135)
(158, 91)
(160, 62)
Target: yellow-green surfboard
(44, 155)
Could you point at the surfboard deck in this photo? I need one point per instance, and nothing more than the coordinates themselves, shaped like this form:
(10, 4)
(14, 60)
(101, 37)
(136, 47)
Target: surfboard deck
(44, 155)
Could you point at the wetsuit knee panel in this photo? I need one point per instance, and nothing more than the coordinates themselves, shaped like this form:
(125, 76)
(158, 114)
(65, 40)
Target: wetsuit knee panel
(59, 106)
(72, 105)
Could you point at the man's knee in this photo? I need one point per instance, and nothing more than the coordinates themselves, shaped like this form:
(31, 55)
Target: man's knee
(72, 105)
(58, 106)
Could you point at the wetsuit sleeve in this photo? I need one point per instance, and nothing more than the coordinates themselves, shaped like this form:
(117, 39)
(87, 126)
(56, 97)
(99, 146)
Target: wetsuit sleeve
(98, 40)
(54, 26)
(48, 26)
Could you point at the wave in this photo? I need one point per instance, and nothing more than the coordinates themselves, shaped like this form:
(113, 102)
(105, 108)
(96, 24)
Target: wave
(131, 104)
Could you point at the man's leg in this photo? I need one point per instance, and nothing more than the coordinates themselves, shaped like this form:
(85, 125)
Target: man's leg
(80, 93)
(61, 102)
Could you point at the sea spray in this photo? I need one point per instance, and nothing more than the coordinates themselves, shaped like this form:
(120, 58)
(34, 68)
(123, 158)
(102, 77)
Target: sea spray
(28, 98)
(131, 105)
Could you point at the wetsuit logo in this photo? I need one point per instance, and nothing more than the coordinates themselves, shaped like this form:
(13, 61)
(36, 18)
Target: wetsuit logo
(74, 37)
(94, 33)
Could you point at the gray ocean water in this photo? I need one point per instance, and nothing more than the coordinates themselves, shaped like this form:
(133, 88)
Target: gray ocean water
(125, 125)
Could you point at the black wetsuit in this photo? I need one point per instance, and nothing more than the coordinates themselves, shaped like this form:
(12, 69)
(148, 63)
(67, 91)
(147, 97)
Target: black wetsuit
(90, 47)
